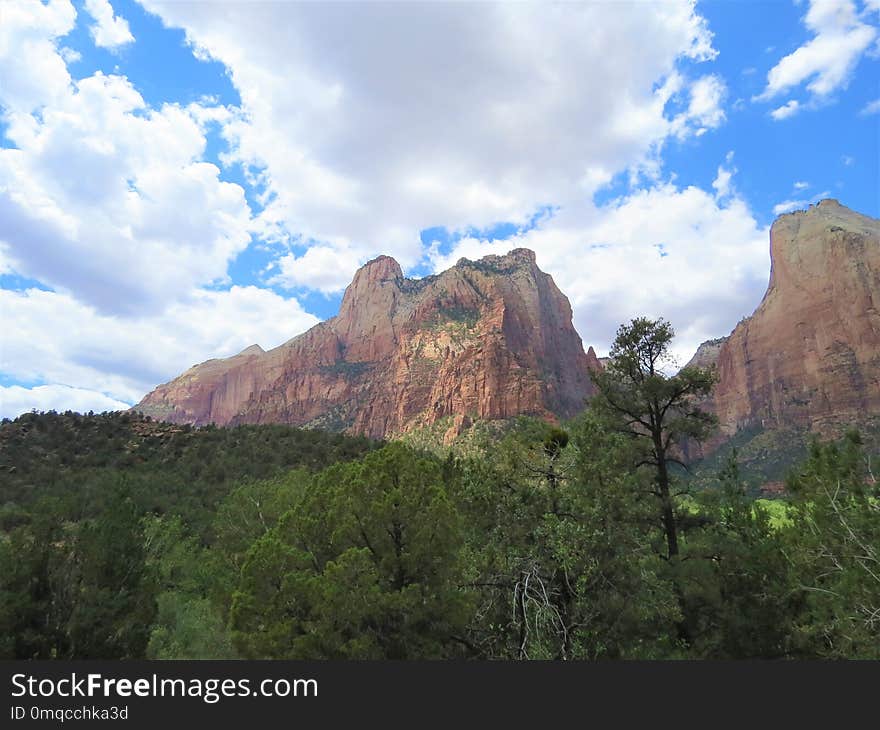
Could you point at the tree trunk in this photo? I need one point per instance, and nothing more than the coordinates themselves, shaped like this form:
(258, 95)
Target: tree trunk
(669, 526)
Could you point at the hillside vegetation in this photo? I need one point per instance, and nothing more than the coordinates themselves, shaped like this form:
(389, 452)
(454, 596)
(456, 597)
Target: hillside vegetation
(123, 538)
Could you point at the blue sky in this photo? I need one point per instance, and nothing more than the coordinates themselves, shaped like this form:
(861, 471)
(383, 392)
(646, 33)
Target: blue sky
(180, 180)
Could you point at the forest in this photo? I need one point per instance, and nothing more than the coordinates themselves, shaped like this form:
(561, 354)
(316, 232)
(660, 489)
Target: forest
(123, 538)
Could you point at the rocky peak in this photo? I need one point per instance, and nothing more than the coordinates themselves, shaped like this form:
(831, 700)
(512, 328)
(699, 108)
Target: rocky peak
(381, 268)
(810, 354)
(372, 277)
(252, 350)
(516, 257)
(485, 339)
(707, 353)
(802, 241)
(364, 322)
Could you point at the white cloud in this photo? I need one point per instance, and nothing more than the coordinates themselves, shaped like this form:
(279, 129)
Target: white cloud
(70, 55)
(102, 195)
(667, 251)
(825, 62)
(872, 107)
(707, 95)
(353, 153)
(321, 267)
(32, 72)
(109, 30)
(52, 337)
(786, 206)
(801, 185)
(723, 182)
(787, 110)
(394, 131)
(15, 400)
(789, 205)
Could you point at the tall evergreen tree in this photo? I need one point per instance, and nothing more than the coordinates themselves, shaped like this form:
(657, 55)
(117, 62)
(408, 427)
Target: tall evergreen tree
(660, 410)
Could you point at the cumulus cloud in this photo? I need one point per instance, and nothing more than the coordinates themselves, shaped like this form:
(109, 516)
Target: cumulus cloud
(680, 253)
(32, 72)
(54, 338)
(109, 30)
(705, 108)
(723, 182)
(70, 55)
(394, 132)
(321, 267)
(841, 36)
(789, 109)
(786, 206)
(15, 400)
(102, 195)
(109, 200)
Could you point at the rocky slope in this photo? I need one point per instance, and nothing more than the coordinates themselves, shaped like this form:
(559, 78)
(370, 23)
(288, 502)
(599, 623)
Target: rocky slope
(707, 353)
(809, 357)
(486, 339)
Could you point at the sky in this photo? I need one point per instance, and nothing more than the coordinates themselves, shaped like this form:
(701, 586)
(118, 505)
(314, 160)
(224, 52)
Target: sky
(180, 180)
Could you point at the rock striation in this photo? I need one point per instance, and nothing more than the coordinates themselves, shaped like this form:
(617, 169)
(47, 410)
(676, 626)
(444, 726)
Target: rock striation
(487, 339)
(809, 356)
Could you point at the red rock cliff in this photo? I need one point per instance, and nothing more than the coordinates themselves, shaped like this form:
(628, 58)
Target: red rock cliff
(487, 339)
(810, 354)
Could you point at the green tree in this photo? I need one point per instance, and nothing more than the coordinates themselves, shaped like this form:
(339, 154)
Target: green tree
(365, 565)
(834, 551)
(658, 410)
(111, 595)
(192, 585)
(32, 557)
(76, 590)
(253, 509)
(558, 556)
(734, 589)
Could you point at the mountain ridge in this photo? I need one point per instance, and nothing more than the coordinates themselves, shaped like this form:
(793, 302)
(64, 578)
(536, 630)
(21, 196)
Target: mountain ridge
(809, 355)
(493, 338)
(486, 339)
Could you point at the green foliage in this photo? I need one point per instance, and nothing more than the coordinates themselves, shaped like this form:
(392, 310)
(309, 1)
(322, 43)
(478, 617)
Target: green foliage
(188, 624)
(123, 538)
(252, 510)
(168, 469)
(763, 456)
(657, 411)
(455, 314)
(559, 563)
(383, 528)
(635, 389)
(834, 551)
(82, 574)
(76, 590)
(348, 369)
(734, 587)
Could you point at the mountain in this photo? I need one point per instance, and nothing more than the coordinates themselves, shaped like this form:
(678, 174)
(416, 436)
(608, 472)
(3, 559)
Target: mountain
(487, 339)
(809, 356)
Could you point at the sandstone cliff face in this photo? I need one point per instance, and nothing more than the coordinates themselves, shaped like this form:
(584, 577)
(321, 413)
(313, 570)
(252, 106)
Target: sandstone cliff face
(488, 339)
(707, 353)
(810, 354)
